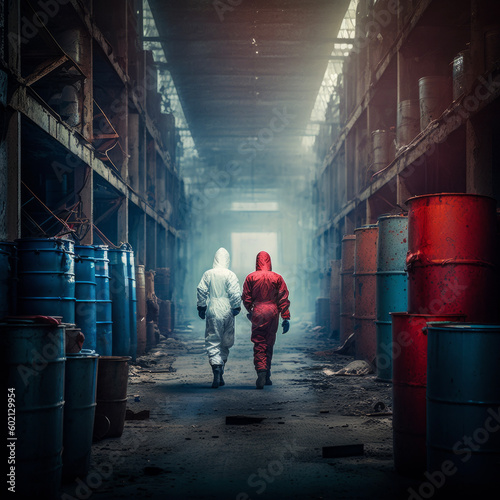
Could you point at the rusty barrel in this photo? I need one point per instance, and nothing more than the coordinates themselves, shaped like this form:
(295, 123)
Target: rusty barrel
(391, 285)
(335, 298)
(463, 401)
(162, 283)
(165, 317)
(111, 394)
(435, 95)
(382, 148)
(347, 287)
(451, 256)
(408, 122)
(409, 383)
(365, 292)
(140, 279)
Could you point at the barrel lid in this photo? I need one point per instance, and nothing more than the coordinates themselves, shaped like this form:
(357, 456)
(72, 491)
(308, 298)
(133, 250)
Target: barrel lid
(349, 237)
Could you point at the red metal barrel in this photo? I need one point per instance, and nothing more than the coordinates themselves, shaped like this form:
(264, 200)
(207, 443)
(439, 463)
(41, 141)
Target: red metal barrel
(365, 292)
(409, 384)
(451, 256)
(347, 287)
(335, 298)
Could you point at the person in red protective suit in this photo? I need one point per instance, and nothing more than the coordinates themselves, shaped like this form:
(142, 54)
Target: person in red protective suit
(265, 296)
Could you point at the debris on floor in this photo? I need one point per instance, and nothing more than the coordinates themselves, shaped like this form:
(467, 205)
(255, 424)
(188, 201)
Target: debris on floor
(355, 368)
(344, 450)
(243, 420)
(140, 415)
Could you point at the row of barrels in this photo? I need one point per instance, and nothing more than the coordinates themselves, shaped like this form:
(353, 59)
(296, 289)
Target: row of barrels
(418, 294)
(99, 290)
(61, 400)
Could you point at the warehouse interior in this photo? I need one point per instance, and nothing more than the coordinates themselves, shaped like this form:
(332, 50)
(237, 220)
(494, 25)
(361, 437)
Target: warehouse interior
(355, 141)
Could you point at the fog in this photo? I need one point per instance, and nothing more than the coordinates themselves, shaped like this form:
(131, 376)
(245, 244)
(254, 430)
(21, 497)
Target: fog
(228, 210)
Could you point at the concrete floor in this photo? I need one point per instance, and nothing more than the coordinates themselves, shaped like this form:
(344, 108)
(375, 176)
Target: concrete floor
(185, 450)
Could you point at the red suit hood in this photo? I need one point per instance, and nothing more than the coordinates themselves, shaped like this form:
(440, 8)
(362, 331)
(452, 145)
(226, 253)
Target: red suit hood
(263, 262)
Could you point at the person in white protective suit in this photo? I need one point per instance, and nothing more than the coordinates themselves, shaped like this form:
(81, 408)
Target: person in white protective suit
(219, 301)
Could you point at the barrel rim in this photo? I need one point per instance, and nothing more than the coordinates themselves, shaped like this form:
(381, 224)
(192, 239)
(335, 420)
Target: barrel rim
(392, 216)
(115, 358)
(82, 354)
(436, 195)
(465, 326)
(407, 314)
(349, 237)
(366, 227)
(434, 77)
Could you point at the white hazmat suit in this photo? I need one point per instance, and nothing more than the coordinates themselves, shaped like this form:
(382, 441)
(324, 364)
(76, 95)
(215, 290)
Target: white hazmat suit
(219, 295)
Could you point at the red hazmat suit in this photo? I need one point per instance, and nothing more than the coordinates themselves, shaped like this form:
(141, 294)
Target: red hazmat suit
(265, 296)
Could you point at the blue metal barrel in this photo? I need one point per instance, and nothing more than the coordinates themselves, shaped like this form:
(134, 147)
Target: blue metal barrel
(463, 402)
(104, 319)
(46, 277)
(79, 410)
(133, 302)
(119, 288)
(33, 369)
(391, 285)
(8, 278)
(85, 294)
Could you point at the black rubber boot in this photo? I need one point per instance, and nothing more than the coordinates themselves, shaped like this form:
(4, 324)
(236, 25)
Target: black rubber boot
(221, 380)
(268, 378)
(217, 370)
(261, 379)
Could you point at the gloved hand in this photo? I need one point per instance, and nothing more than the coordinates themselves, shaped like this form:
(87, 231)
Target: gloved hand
(201, 312)
(285, 325)
(236, 311)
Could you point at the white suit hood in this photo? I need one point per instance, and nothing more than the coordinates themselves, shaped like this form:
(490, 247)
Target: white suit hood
(221, 258)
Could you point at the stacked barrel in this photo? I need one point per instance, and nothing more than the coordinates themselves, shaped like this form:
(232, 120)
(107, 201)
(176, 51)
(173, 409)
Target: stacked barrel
(334, 298)
(66, 310)
(46, 277)
(85, 294)
(140, 278)
(152, 311)
(162, 290)
(391, 281)
(104, 319)
(120, 301)
(451, 267)
(365, 266)
(347, 287)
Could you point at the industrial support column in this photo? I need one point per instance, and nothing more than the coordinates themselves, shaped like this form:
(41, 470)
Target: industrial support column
(479, 173)
(10, 138)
